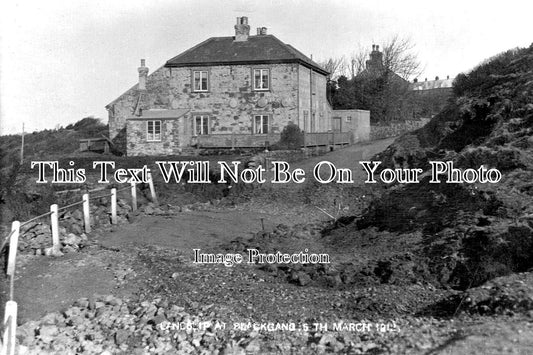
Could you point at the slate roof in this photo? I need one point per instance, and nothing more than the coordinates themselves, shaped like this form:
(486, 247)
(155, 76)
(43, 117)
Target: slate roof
(432, 84)
(260, 49)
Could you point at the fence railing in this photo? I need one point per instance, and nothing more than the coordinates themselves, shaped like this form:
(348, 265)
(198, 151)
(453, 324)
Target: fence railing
(8, 345)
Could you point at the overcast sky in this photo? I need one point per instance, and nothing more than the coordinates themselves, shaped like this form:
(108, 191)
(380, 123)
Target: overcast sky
(65, 60)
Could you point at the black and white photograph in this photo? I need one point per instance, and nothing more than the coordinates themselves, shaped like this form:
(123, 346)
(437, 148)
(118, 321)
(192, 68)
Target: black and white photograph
(243, 177)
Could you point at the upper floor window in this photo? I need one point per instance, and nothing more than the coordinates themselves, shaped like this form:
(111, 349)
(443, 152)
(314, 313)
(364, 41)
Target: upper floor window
(260, 124)
(201, 125)
(153, 131)
(261, 79)
(200, 80)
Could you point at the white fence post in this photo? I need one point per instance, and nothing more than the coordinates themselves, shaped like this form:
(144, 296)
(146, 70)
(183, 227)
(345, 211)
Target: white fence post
(86, 213)
(55, 227)
(13, 246)
(113, 206)
(133, 196)
(10, 322)
(152, 189)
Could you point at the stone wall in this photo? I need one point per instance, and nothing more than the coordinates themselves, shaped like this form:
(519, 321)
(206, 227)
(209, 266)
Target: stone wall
(139, 145)
(230, 102)
(396, 129)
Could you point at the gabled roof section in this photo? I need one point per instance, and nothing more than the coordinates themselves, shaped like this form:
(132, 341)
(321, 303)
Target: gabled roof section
(260, 49)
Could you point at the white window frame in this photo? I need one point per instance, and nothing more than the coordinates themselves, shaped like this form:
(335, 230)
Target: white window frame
(203, 118)
(153, 136)
(265, 83)
(259, 129)
(201, 74)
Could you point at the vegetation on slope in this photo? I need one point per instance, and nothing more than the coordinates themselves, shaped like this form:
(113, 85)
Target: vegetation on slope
(472, 232)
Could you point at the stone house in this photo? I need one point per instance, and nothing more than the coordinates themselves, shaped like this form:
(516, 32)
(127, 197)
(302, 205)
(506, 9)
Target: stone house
(230, 92)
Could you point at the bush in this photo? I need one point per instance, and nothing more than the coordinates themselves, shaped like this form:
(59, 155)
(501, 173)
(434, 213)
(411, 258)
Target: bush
(292, 137)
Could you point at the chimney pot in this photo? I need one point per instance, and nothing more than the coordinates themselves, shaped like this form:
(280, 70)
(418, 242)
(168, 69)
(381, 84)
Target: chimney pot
(242, 29)
(447, 77)
(426, 79)
(436, 78)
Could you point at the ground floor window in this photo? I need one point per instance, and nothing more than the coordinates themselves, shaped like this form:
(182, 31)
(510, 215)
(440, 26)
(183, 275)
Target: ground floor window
(201, 125)
(153, 131)
(260, 124)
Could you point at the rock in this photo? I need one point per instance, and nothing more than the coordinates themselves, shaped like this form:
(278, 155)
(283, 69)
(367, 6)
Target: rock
(149, 210)
(69, 249)
(47, 333)
(77, 214)
(82, 303)
(254, 346)
(72, 312)
(301, 278)
(53, 252)
(26, 332)
(121, 336)
(76, 228)
(51, 319)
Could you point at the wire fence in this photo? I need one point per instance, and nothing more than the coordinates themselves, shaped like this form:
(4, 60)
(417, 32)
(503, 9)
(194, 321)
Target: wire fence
(8, 345)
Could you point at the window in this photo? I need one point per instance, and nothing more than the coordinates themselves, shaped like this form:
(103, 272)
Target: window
(348, 119)
(261, 79)
(200, 81)
(201, 125)
(260, 124)
(153, 131)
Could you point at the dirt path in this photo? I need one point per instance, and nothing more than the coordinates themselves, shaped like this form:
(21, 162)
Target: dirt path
(49, 284)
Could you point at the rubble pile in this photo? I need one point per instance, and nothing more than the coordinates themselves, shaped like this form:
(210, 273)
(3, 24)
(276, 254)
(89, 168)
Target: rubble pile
(36, 237)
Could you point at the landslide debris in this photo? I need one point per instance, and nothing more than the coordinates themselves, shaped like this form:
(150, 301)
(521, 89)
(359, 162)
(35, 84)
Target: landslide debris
(471, 232)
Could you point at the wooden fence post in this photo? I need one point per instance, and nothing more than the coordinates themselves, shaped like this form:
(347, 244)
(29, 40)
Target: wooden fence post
(152, 189)
(133, 197)
(13, 246)
(10, 322)
(86, 213)
(113, 206)
(55, 227)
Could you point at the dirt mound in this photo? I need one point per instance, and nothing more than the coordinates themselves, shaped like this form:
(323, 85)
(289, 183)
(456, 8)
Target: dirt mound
(471, 232)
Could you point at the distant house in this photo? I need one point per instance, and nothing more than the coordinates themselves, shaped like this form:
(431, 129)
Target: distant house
(430, 96)
(229, 92)
(425, 99)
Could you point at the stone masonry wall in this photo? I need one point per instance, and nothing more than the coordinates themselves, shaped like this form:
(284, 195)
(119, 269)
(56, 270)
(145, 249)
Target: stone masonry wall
(396, 129)
(230, 102)
(139, 145)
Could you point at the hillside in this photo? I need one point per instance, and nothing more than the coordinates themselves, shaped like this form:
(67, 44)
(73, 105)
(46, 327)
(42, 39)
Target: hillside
(49, 143)
(471, 232)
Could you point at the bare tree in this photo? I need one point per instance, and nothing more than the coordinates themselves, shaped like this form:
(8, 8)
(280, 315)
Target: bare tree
(399, 57)
(335, 66)
(357, 62)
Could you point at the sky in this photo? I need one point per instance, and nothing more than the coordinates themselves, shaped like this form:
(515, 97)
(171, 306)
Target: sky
(62, 61)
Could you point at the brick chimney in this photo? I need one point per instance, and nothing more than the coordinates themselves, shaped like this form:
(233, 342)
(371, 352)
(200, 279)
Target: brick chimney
(242, 29)
(375, 63)
(261, 31)
(143, 73)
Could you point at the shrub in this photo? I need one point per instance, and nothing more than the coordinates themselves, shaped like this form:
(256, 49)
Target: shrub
(292, 137)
